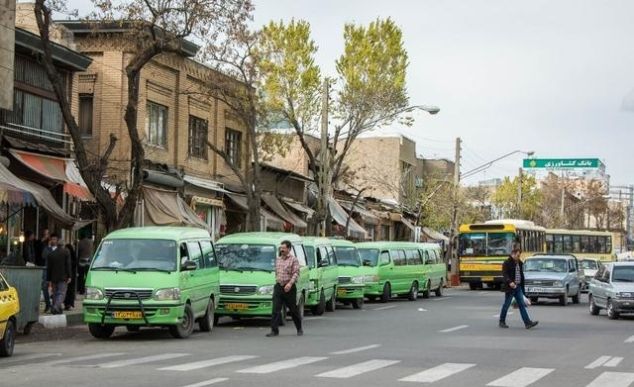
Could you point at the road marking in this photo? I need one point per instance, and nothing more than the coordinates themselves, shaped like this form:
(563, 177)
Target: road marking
(508, 314)
(206, 363)
(615, 361)
(522, 377)
(207, 382)
(613, 379)
(422, 310)
(629, 340)
(441, 298)
(142, 360)
(385, 307)
(358, 349)
(358, 369)
(83, 358)
(281, 365)
(33, 356)
(435, 374)
(598, 363)
(459, 327)
(313, 318)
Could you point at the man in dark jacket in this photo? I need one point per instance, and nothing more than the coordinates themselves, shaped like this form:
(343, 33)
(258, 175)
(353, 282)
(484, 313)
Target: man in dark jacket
(513, 272)
(58, 272)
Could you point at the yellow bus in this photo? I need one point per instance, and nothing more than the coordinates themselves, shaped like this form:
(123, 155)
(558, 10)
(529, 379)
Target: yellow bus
(484, 246)
(582, 243)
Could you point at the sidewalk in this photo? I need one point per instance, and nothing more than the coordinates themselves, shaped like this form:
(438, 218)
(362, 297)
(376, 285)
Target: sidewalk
(69, 318)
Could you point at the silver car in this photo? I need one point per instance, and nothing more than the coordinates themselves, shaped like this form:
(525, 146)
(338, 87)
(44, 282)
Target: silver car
(590, 267)
(553, 276)
(612, 289)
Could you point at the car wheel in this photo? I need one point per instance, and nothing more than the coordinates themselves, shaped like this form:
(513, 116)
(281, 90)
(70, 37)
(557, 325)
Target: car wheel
(99, 331)
(206, 322)
(439, 290)
(387, 292)
(594, 309)
(612, 314)
(331, 305)
(358, 303)
(427, 290)
(318, 310)
(413, 292)
(8, 341)
(563, 300)
(575, 298)
(185, 328)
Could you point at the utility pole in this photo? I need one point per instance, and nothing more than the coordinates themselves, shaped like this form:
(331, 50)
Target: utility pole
(562, 213)
(324, 160)
(519, 193)
(452, 252)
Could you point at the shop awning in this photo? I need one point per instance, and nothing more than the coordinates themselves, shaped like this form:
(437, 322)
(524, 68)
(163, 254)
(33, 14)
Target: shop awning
(46, 201)
(435, 235)
(167, 208)
(367, 216)
(272, 220)
(341, 217)
(11, 189)
(299, 207)
(278, 208)
(204, 183)
(239, 200)
(58, 169)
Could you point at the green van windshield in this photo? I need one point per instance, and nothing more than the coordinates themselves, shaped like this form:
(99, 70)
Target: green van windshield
(347, 256)
(369, 257)
(246, 257)
(136, 254)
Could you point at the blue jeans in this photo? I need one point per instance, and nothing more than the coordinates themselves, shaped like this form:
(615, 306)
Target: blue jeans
(519, 299)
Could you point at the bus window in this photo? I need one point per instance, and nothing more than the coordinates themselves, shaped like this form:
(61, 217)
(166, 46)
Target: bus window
(576, 244)
(550, 243)
(608, 244)
(567, 243)
(559, 244)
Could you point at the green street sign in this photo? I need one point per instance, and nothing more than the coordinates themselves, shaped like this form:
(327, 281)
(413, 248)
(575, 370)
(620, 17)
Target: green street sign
(562, 163)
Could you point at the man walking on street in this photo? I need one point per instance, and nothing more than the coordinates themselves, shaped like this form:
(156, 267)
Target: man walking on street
(513, 273)
(285, 291)
(41, 249)
(58, 272)
(84, 257)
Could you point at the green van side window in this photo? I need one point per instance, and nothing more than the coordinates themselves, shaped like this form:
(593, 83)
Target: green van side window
(195, 254)
(413, 257)
(384, 258)
(398, 257)
(209, 254)
(427, 258)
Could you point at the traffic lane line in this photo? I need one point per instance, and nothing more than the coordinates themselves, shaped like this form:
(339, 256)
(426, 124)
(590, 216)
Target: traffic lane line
(459, 327)
(385, 307)
(207, 382)
(441, 298)
(357, 349)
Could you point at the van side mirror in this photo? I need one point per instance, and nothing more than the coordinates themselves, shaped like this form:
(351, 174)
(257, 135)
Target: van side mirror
(189, 266)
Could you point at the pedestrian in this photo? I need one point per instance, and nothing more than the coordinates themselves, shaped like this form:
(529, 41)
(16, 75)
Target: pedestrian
(58, 271)
(513, 273)
(69, 300)
(285, 291)
(28, 247)
(41, 249)
(84, 257)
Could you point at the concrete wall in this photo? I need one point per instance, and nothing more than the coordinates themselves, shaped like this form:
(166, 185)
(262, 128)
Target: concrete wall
(7, 52)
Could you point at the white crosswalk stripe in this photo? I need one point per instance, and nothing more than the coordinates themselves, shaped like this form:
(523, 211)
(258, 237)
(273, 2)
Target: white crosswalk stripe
(437, 373)
(629, 340)
(459, 327)
(353, 350)
(206, 363)
(23, 358)
(141, 360)
(522, 377)
(605, 361)
(281, 365)
(358, 369)
(615, 361)
(613, 379)
(207, 382)
(83, 358)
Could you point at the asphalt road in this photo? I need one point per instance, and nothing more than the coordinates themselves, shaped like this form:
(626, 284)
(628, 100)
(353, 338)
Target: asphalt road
(449, 341)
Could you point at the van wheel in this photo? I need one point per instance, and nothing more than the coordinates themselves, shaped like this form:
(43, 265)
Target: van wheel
(8, 341)
(563, 300)
(427, 290)
(413, 292)
(575, 298)
(357, 304)
(186, 326)
(387, 292)
(318, 310)
(99, 331)
(594, 309)
(439, 290)
(133, 328)
(612, 314)
(206, 322)
(331, 305)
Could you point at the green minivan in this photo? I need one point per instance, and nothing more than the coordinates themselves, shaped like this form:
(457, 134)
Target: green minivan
(322, 270)
(434, 270)
(152, 276)
(396, 268)
(351, 273)
(247, 273)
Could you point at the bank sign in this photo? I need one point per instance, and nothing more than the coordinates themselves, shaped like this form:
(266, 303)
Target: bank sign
(562, 163)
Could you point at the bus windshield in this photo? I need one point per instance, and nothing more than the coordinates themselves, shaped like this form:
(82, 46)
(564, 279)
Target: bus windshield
(242, 257)
(486, 244)
(369, 257)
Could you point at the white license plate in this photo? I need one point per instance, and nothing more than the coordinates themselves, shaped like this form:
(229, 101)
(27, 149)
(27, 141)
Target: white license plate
(536, 290)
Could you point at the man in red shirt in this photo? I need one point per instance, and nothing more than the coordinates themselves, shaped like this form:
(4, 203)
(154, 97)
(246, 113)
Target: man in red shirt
(285, 291)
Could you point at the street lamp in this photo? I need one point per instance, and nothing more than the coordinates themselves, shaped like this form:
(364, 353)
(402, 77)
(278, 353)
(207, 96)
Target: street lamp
(427, 108)
(487, 165)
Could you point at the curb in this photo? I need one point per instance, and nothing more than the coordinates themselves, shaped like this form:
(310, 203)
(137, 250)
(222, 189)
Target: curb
(60, 320)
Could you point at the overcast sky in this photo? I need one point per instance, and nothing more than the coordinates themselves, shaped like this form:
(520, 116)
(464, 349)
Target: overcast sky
(549, 76)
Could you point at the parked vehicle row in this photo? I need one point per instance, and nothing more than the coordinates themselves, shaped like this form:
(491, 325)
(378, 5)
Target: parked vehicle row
(175, 277)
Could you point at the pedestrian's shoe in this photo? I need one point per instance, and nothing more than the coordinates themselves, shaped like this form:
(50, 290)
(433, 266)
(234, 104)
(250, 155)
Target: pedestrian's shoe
(300, 333)
(47, 309)
(272, 334)
(502, 324)
(532, 324)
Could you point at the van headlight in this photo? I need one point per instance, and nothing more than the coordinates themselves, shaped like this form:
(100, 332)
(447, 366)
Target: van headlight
(624, 295)
(93, 294)
(357, 280)
(167, 294)
(266, 290)
(558, 284)
(370, 278)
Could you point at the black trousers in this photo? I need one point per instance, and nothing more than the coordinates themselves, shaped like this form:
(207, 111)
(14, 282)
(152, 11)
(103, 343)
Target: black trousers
(282, 299)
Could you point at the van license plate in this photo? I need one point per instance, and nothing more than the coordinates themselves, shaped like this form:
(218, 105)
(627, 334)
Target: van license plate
(234, 306)
(487, 279)
(128, 314)
(341, 292)
(536, 290)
